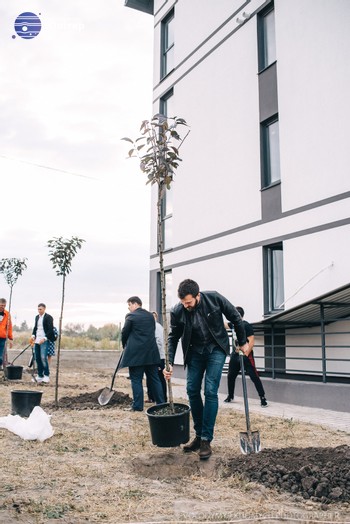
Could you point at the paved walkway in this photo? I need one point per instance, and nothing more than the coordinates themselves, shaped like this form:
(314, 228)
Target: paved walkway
(324, 417)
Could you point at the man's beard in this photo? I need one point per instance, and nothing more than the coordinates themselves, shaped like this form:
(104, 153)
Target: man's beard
(191, 308)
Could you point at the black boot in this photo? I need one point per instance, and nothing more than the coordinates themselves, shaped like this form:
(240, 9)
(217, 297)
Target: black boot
(205, 450)
(228, 399)
(193, 446)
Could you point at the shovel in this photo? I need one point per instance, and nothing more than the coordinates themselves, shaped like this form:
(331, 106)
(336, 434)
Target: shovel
(249, 440)
(19, 354)
(107, 393)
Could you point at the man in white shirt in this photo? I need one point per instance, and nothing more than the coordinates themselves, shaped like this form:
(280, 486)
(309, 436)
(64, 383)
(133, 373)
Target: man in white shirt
(42, 333)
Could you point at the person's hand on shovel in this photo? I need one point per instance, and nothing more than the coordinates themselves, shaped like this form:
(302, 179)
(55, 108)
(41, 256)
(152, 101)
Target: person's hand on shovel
(245, 349)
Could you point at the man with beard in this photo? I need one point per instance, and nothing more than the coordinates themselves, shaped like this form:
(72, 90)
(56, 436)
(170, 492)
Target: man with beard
(198, 320)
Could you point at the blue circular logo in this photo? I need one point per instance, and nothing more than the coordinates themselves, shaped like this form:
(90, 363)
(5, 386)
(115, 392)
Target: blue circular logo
(27, 25)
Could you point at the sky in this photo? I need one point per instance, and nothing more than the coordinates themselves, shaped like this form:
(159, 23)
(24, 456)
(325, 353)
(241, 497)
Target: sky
(67, 97)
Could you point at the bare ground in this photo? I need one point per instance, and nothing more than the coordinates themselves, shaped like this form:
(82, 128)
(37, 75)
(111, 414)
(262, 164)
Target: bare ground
(100, 466)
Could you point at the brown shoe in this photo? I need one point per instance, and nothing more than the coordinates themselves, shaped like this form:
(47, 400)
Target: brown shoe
(193, 446)
(205, 450)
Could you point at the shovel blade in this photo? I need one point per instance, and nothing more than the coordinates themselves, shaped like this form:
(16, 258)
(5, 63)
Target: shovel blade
(249, 442)
(105, 396)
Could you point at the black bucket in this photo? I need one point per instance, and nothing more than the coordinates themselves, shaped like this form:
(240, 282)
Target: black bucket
(23, 402)
(169, 430)
(13, 372)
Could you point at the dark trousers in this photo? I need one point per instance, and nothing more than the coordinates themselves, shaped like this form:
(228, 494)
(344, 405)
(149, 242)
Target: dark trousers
(136, 376)
(234, 368)
(161, 366)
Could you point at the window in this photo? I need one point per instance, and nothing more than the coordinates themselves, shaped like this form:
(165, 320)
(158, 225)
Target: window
(166, 104)
(166, 109)
(270, 152)
(266, 38)
(167, 215)
(169, 294)
(167, 45)
(274, 278)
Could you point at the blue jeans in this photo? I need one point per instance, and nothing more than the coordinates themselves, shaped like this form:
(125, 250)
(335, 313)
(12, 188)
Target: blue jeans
(204, 415)
(136, 376)
(2, 347)
(41, 359)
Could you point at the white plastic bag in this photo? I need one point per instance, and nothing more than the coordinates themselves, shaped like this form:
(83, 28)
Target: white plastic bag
(36, 427)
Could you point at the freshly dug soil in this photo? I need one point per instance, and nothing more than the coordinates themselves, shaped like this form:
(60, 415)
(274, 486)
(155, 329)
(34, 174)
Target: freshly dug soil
(319, 474)
(165, 411)
(90, 401)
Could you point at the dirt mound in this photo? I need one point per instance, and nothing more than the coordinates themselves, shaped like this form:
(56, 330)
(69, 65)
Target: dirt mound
(90, 401)
(319, 474)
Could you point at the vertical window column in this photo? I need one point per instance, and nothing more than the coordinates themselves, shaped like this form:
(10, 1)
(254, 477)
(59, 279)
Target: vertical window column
(167, 45)
(271, 206)
(166, 109)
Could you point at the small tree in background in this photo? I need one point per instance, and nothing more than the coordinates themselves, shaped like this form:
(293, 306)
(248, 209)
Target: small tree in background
(159, 158)
(61, 253)
(11, 268)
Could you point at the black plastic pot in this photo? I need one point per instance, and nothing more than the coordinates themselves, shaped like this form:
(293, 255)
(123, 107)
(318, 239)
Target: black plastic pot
(171, 429)
(13, 372)
(23, 402)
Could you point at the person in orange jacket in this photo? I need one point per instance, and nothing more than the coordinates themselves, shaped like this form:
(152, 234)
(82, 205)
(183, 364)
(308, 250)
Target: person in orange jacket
(5, 329)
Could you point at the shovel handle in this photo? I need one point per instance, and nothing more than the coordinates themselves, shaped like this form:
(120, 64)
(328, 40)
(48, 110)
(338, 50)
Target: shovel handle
(116, 370)
(245, 394)
(19, 354)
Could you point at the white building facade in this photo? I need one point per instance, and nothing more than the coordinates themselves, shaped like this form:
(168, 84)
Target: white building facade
(260, 206)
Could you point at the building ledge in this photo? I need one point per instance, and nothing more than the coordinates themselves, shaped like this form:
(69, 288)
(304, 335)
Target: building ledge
(146, 6)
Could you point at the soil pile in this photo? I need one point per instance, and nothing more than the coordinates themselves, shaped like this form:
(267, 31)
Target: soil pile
(319, 474)
(90, 401)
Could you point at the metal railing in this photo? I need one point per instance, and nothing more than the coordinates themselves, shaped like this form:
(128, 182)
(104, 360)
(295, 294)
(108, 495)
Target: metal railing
(318, 353)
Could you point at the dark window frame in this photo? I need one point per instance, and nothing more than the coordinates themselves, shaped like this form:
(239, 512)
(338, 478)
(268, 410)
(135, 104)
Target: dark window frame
(269, 273)
(165, 48)
(262, 41)
(165, 218)
(163, 110)
(265, 153)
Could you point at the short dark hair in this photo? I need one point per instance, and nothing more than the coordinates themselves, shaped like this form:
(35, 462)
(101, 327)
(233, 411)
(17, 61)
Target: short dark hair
(42, 305)
(240, 310)
(187, 287)
(135, 300)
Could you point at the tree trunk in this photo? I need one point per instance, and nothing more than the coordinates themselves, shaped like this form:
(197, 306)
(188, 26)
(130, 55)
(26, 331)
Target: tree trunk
(161, 188)
(4, 357)
(59, 341)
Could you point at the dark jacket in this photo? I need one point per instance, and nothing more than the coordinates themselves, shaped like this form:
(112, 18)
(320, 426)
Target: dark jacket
(213, 306)
(138, 339)
(47, 325)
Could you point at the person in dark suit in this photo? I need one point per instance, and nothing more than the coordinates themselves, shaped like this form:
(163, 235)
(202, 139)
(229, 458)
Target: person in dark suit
(42, 334)
(141, 354)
